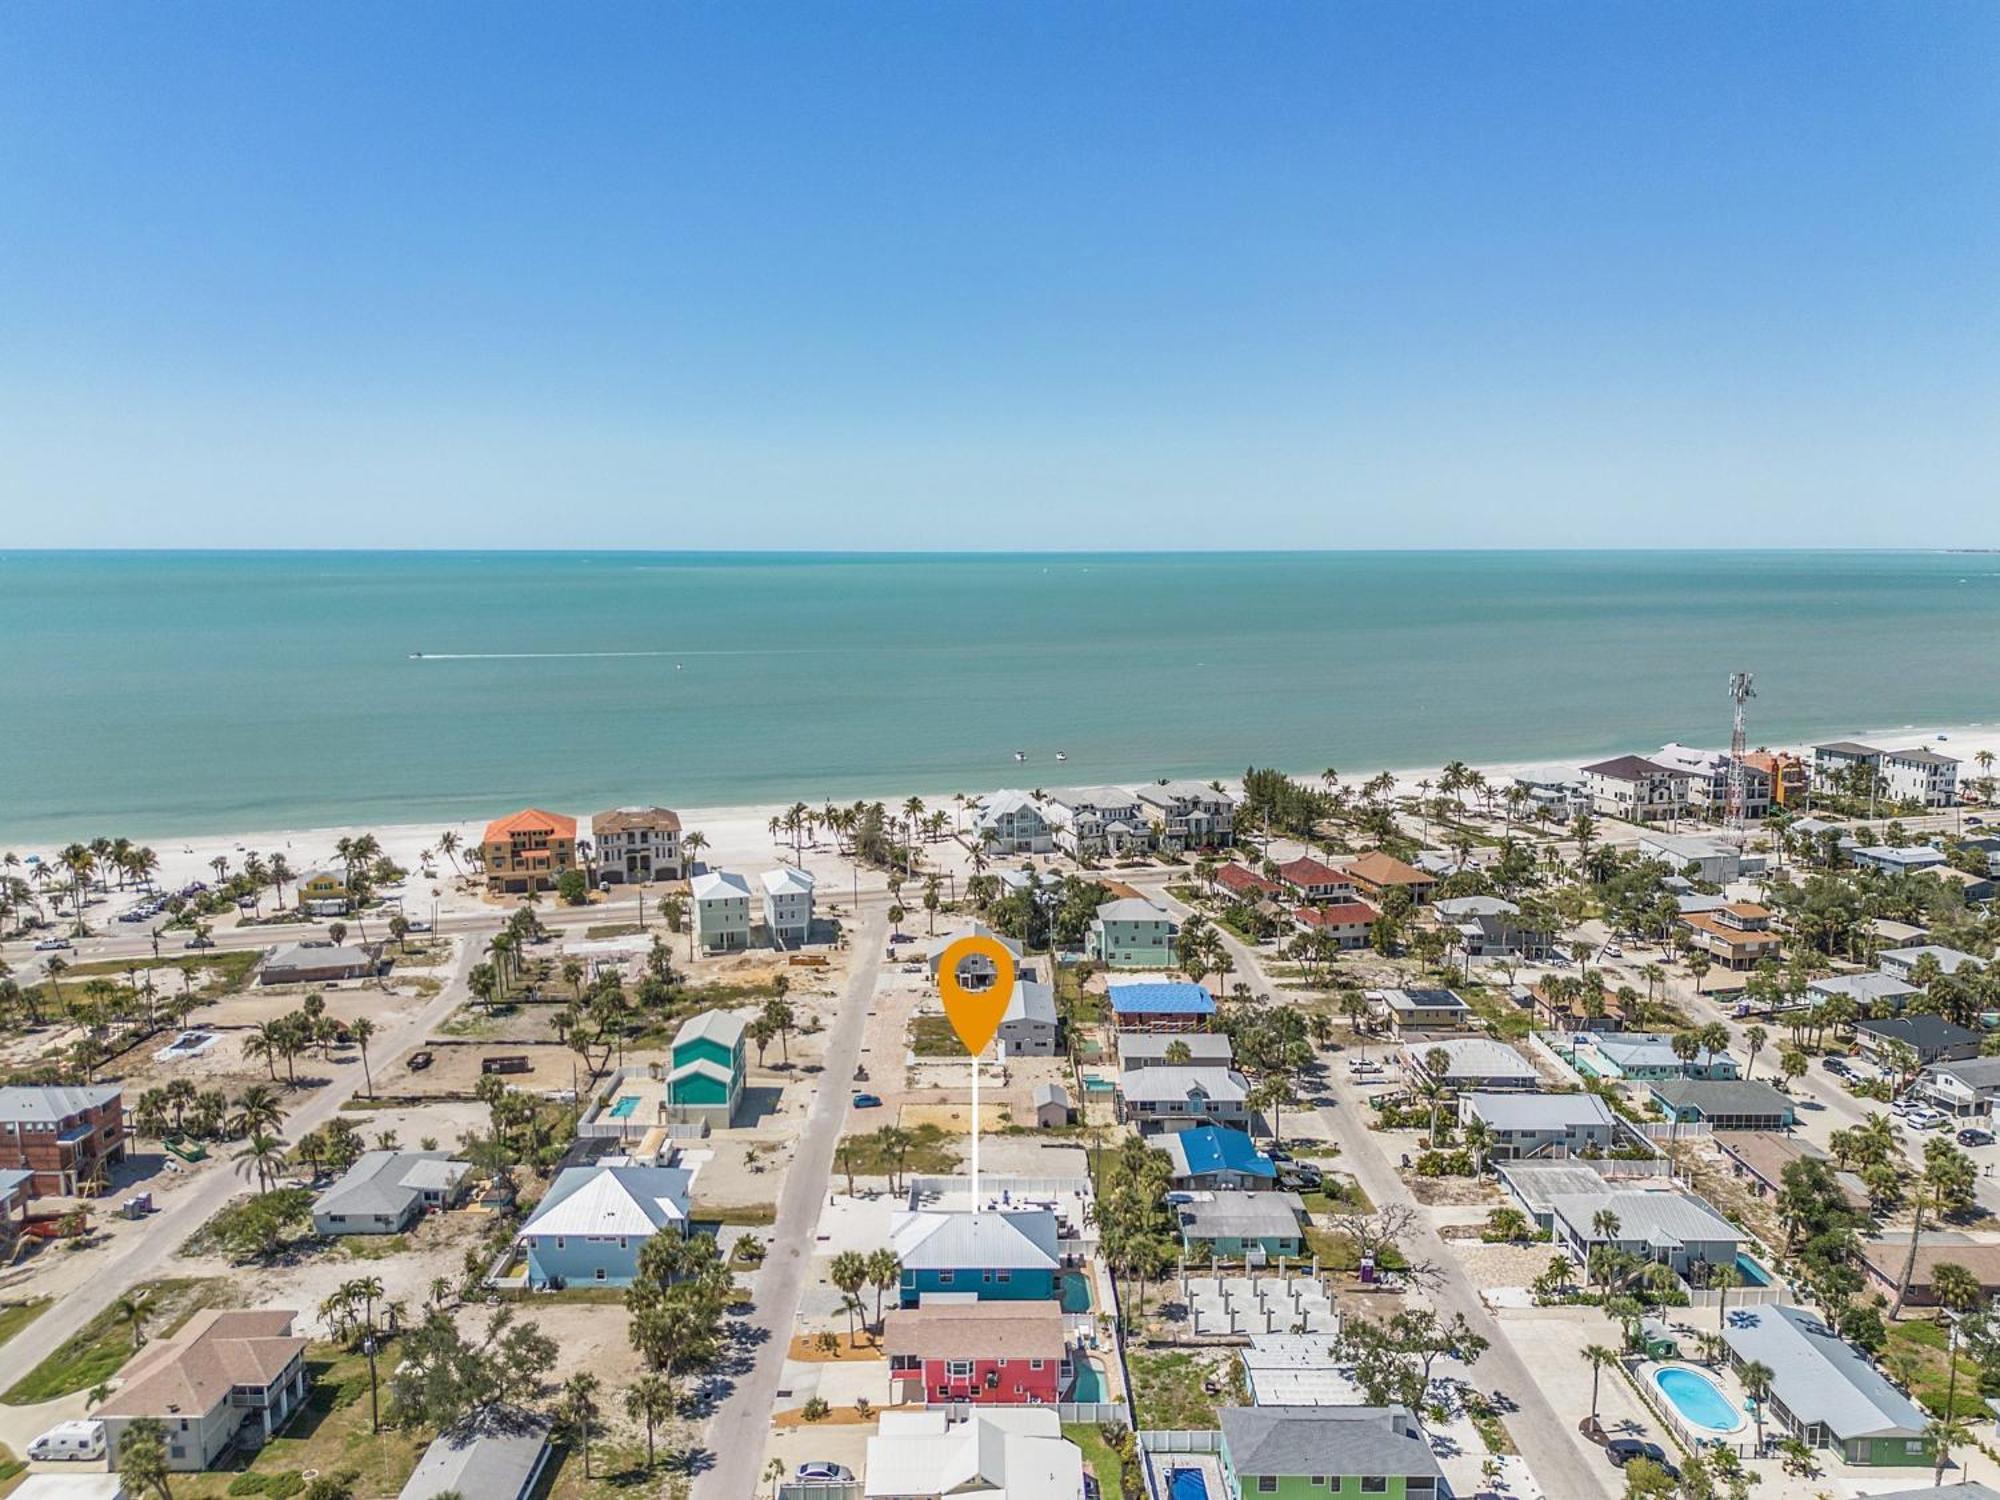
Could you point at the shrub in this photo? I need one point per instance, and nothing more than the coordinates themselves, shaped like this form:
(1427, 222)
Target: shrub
(815, 1409)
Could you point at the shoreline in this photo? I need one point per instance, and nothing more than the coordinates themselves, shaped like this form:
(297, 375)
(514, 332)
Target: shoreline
(738, 834)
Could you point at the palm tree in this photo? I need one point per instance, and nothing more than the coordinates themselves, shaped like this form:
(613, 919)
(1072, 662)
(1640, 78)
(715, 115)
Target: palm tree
(361, 1029)
(1599, 1357)
(579, 1395)
(262, 1157)
(1757, 1377)
(1722, 1278)
(650, 1400)
(257, 1109)
(884, 1271)
(1754, 1038)
(133, 1310)
(1947, 1175)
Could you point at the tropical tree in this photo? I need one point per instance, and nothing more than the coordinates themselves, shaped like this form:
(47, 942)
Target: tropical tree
(1757, 1377)
(580, 1411)
(649, 1401)
(1598, 1357)
(142, 1457)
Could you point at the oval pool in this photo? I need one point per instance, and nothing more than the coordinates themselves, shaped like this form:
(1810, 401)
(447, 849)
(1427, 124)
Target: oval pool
(1698, 1399)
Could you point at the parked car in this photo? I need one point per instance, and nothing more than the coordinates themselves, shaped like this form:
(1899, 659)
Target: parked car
(420, 925)
(1972, 1135)
(1926, 1119)
(1300, 1177)
(867, 1101)
(1621, 1451)
(1838, 1066)
(76, 1441)
(198, 941)
(825, 1473)
(1612, 950)
(50, 945)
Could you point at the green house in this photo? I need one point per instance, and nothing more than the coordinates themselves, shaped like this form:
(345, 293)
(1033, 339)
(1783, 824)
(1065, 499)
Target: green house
(1327, 1453)
(706, 1083)
(1132, 934)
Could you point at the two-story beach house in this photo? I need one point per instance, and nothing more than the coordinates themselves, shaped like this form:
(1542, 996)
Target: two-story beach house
(226, 1382)
(1176, 1097)
(1536, 1127)
(983, 1353)
(592, 1223)
(66, 1136)
(1737, 935)
(1091, 822)
(710, 1062)
(721, 910)
(1132, 933)
(788, 906)
(1189, 814)
(636, 845)
(1000, 1255)
(1327, 1453)
(1012, 822)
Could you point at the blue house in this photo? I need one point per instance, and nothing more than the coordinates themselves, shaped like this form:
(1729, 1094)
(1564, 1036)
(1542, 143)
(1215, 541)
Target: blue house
(998, 1256)
(1214, 1156)
(594, 1221)
(1160, 1005)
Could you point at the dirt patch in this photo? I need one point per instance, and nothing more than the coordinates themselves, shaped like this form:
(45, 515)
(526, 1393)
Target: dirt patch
(954, 1118)
(839, 1416)
(855, 1349)
(1453, 1192)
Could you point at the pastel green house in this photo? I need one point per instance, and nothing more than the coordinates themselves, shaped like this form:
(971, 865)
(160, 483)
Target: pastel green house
(1132, 934)
(706, 1084)
(1327, 1453)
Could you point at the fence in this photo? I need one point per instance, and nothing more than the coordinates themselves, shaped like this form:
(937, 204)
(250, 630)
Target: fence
(1180, 1440)
(1667, 1130)
(990, 1185)
(1688, 1437)
(820, 1489)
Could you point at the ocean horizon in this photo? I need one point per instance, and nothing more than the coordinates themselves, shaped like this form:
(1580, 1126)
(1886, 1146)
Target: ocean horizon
(159, 694)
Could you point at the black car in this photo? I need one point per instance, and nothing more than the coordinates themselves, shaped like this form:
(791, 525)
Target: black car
(1621, 1451)
(1972, 1135)
(1300, 1177)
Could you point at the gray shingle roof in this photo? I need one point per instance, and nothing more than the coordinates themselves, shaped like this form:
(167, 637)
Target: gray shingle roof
(1291, 1441)
(1724, 1096)
(388, 1182)
(1539, 1111)
(1231, 1215)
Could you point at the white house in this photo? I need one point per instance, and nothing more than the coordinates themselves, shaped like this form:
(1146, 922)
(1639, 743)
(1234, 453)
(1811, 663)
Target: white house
(1029, 1027)
(1012, 822)
(788, 906)
(721, 910)
(1901, 963)
(1716, 862)
(1637, 789)
(1708, 785)
(1920, 776)
(636, 844)
(1890, 859)
(1089, 821)
(1528, 1126)
(1674, 1229)
(1190, 814)
(1176, 1097)
(995, 1451)
(1473, 1062)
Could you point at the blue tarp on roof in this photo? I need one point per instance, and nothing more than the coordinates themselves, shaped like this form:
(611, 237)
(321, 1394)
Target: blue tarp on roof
(1212, 1148)
(1162, 998)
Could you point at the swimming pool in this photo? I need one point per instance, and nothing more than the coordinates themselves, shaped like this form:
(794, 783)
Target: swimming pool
(1186, 1484)
(1698, 1399)
(624, 1107)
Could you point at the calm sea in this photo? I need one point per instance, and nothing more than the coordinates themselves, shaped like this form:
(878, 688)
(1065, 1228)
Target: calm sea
(158, 694)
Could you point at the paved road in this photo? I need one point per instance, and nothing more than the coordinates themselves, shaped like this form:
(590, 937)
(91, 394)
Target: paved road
(1563, 1463)
(145, 1255)
(737, 1431)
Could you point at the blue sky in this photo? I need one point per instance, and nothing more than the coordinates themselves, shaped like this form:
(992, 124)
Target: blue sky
(999, 275)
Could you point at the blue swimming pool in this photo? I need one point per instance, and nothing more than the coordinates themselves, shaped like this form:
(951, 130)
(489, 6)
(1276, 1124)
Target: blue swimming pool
(1698, 1399)
(1186, 1484)
(1752, 1273)
(624, 1107)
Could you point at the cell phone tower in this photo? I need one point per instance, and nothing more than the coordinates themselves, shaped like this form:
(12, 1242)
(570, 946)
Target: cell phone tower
(1740, 693)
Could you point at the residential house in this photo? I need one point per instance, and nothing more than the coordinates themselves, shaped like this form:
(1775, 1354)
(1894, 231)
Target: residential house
(1901, 963)
(1375, 874)
(497, 1453)
(1475, 1062)
(527, 851)
(1897, 859)
(1327, 1453)
(1869, 994)
(1052, 1106)
(993, 1454)
(721, 910)
(1245, 884)
(1834, 764)
(1527, 1127)
(1594, 1010)
(1189, 814)
(1030, 1027)
(592, 1223)
(321, 963)
(1666, 1226)
(1312, 881)
(1213, 1158)
(984, 1353)
(1708, 780)
(1724, 1104)
(385, 1192)
(1537, 1184)
(1012, 822)
(321, 893)
(1636, 789)
(1001, 1255)
(1976, 889)
(1132, 933)
(1931, 1039)
(1092, 822)
(788, 906)
(710, 1063)
(1644, 1057)
(1149, 1049)
(1986, 847)
(1824, 1391)
(67, 1136)
(1243, 1226)
(1709, 860)
(1789, 775)
(1421, 1010)
(1883, 1261)
(1920, 776)
(636, 845)
(1962, 1088)
(226, 1381)
(1737, 936)
(1491, 927)
(1174, 1098)
(1759, 1158)
(1159, 1006)
(1554, 792)
(976, 972)
(1349, 923)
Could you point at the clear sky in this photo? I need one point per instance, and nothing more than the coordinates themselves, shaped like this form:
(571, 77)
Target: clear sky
(1016, 275)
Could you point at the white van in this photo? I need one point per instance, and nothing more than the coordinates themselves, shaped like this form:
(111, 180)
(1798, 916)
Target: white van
(78, 1441)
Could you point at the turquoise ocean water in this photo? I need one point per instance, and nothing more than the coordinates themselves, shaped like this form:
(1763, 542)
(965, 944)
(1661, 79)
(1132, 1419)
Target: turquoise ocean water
(153, 694)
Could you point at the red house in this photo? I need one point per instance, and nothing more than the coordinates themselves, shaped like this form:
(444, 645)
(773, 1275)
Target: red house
(990, 1353)
(1245, 883)
(65, 1136)
(1349, 922)
(1315, 881)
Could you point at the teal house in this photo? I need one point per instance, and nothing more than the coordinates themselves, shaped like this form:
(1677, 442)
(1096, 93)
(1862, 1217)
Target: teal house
(1244, 1226)
(1132, 934)
(592, 1223)
(997, 1256)
(1327, 1453)
(706, 1083)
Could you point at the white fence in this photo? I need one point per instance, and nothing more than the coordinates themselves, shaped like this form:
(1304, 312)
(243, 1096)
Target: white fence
(1180, 1440)
(820, 1489)
(1667, 1130)
(992, 1186)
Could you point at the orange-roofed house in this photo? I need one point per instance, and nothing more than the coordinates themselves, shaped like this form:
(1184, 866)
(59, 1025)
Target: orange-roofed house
(528, 851)
(1376, 874)
(1738, 935)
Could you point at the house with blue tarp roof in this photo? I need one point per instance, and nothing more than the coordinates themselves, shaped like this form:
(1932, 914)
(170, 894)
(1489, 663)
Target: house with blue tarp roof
(1161, 1005)
(1212, 1156)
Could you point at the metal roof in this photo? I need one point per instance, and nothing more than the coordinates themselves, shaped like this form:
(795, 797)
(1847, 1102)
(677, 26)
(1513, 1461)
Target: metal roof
(1818, 1376)
(1212, 1148)
(1538, 1111)
(1160, 997)
(608, 1200)
(1018, 1240)
(496, 1454)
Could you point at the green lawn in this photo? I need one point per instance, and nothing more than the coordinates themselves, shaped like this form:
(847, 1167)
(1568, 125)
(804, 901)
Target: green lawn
(1104, 1463)
(100, 1348)
(1917, 1351)
(1509, 1022)
(14, 1316)
(932, 1036)
(931, 1152)
(226, 970)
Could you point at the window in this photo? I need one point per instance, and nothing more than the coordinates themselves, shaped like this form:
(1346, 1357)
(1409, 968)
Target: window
(600, 1273)
(1003, 1277)
(944, 1277)
(1374, 1484)
(1267, 1484)
(958, 1368)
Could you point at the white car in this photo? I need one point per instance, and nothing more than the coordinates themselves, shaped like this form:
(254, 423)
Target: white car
(51, 945)
(1925, 1119)
(78, 1441)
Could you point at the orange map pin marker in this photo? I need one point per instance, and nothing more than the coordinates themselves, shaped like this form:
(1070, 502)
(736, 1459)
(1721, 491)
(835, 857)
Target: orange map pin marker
(975, 1014)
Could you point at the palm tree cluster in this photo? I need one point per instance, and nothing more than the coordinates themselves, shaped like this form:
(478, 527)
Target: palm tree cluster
(852, 1271)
